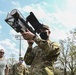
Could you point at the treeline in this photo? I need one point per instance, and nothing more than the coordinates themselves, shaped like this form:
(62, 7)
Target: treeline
(66, 64)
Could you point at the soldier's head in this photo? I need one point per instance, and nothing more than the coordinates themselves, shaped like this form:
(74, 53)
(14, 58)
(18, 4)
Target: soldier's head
(21, 59)
(45, 32)
(1, 53)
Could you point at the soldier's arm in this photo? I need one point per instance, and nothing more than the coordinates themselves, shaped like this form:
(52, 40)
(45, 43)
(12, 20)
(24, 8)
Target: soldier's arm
(54, 51)
(29, 56)
(52, 47)
(43, 44)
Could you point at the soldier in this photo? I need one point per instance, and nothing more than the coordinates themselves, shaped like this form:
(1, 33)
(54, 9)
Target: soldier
(41, 57)
(19, 68)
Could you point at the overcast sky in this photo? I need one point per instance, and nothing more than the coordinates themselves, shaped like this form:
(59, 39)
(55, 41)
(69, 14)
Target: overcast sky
(59, 15)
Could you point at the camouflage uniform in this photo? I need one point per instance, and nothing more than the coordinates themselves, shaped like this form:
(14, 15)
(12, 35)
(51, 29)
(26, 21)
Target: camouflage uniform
(19, 69)
(42, 57)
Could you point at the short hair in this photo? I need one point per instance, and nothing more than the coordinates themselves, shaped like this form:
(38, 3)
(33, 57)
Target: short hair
(1, 50)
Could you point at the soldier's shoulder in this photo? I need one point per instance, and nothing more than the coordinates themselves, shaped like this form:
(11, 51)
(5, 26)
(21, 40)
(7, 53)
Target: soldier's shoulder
(55, 43)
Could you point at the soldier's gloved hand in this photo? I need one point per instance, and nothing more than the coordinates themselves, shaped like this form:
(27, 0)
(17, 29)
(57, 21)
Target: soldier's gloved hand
(28, 35)
(30, 42)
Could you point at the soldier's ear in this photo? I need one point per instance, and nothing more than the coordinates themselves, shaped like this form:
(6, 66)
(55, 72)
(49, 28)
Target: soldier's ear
(49, 32)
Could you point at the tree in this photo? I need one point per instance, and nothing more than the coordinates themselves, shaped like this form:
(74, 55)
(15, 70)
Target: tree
(64, 55)
(72, 53)
(68, 53)
(12, 60)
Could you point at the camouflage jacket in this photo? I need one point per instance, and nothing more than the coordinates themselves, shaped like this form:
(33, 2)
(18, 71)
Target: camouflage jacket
(42, 57)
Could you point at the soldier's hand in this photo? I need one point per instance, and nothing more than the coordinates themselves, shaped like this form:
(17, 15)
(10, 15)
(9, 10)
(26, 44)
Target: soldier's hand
(28, 35)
